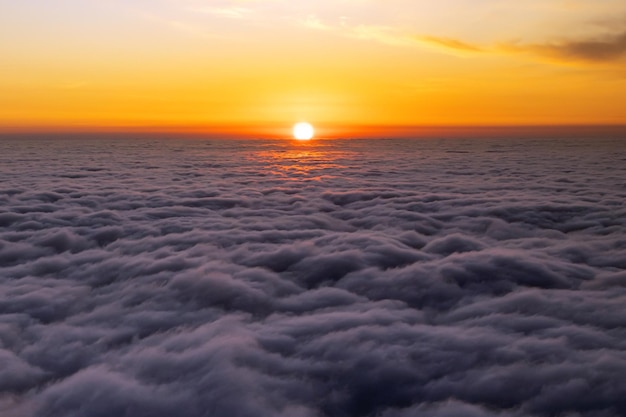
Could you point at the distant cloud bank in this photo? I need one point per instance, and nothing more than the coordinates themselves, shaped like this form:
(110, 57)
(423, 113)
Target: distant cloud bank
(338, 278)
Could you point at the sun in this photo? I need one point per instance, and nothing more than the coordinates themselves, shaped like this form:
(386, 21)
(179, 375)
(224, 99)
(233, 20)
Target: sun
(303, 131)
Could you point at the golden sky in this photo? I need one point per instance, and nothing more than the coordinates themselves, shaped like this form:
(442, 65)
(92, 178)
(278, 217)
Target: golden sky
(258, 65)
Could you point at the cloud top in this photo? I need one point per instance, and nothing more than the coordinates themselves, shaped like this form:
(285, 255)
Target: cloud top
(377, 278)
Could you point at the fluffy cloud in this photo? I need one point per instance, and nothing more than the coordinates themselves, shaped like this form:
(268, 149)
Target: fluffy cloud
(376, 278)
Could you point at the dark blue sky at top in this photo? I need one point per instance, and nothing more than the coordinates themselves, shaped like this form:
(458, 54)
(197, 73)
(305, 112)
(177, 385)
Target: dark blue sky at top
(338, 278)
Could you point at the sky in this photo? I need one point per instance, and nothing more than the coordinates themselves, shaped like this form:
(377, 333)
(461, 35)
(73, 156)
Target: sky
(257, 66)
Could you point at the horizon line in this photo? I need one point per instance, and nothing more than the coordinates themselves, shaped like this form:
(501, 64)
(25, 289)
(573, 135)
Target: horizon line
(327, 131)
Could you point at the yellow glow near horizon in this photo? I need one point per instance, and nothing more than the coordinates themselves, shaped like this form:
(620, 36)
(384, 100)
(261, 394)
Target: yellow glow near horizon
(249, 67)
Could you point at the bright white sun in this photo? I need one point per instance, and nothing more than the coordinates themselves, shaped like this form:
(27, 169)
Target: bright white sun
(303, 131)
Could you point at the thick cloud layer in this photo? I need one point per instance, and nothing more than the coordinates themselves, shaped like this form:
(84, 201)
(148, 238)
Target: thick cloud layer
(339, 278)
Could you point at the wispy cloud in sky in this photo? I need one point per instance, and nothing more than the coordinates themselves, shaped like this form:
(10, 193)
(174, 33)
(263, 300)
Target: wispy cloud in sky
(593, 48)
(449, 43)
(605, 48)
(434, 25)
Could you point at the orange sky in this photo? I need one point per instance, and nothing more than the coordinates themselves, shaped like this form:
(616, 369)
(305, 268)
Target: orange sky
(256, 67)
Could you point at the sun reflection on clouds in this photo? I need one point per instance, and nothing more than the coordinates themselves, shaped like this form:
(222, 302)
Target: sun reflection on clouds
(310, 161)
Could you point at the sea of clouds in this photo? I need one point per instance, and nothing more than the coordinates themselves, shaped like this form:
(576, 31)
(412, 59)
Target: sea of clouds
(389, 278)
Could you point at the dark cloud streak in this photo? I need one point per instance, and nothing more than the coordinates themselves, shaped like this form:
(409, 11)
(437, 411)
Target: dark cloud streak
(599, 49)
(606, 48)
